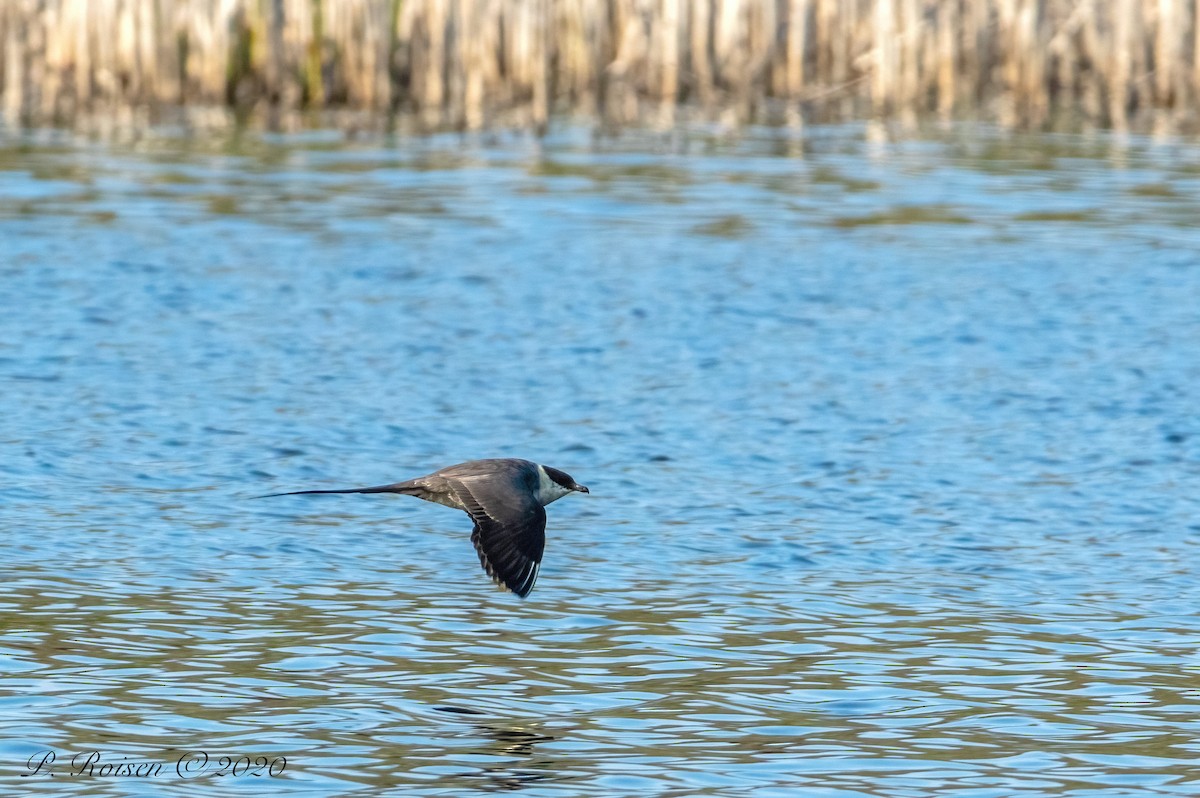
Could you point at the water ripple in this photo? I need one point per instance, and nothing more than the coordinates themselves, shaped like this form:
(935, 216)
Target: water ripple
(889, 447)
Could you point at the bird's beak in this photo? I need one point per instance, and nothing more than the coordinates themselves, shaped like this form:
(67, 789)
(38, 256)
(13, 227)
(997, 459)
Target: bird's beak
(581, 489)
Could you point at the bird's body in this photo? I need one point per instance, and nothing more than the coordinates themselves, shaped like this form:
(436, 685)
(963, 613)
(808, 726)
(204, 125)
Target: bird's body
(504, 497)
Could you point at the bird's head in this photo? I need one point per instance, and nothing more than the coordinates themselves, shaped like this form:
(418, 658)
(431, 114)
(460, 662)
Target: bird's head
(555, 484)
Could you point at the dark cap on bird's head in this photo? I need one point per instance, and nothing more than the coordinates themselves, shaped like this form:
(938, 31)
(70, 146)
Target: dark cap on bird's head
(564, 479)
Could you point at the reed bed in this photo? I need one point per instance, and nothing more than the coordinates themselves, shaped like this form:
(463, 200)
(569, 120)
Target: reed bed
(469, 63)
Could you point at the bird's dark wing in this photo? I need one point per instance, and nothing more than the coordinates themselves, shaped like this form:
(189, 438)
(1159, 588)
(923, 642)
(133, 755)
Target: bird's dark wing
(510, 526)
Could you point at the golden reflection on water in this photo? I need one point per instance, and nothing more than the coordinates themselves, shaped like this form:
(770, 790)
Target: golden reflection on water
(363, 683)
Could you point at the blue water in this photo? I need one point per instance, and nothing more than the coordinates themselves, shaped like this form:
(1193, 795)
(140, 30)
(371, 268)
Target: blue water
(892, 446)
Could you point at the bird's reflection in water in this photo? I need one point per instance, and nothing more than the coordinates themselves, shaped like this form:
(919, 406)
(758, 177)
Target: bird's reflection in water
(512, 741)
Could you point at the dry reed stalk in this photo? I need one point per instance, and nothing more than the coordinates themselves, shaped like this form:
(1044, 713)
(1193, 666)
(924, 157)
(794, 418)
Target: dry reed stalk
(797, 43)
(702, 51)
(669, 47)
(763, 23)
(885, 58)
(1165, 24)
(540, 61)
(1032, 88)
(1195, 50)
(975, 47)
(1121, 66)
(1091, 81)
(471, 58)
(947, 61)
(432, 91)
(913, 50)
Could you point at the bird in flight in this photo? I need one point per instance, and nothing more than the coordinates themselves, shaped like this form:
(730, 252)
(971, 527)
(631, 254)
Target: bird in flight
(504, 497)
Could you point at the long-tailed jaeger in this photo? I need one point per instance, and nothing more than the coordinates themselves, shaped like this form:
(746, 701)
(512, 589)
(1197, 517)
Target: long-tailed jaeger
(504, 497)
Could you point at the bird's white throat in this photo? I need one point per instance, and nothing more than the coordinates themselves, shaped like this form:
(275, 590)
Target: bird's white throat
(548, 490)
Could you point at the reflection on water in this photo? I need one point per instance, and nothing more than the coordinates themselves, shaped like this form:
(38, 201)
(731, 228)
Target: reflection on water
(890, 448)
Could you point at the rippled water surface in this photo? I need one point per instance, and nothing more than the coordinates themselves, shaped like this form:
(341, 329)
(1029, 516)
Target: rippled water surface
(893, 449)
